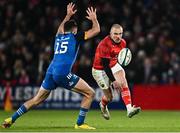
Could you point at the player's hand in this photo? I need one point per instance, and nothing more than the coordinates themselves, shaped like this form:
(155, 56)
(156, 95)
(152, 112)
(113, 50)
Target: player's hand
(70, 9)
(91, 13)
(116, 86)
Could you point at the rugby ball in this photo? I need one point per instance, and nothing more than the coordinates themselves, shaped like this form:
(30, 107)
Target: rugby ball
(124, 57)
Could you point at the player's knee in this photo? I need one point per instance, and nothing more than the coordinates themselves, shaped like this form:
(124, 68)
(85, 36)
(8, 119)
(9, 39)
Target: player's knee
(123, 83)
(91, 94)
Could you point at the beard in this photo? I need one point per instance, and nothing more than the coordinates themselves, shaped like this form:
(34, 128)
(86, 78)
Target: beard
(117, 40)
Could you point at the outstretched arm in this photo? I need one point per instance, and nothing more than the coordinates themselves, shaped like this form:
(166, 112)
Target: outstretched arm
(95, 24)
(70, 12)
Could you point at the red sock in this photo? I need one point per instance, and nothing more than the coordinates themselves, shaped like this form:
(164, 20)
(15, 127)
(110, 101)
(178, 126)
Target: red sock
(104, 101)
(126, 95)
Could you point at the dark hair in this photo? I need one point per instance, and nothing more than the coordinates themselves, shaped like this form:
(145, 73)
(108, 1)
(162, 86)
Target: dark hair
(69, 25)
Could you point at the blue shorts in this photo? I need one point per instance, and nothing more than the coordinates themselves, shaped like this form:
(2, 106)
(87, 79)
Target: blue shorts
(51, 81)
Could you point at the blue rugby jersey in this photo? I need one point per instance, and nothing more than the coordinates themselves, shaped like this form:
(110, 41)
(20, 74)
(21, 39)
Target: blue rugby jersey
(66, 47)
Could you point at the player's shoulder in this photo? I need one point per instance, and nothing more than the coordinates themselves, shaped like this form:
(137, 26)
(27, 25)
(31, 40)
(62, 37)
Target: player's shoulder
(61, 35)
(105, 40)
(123, 40)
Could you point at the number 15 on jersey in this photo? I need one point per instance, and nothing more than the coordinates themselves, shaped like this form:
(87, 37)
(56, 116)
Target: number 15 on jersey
(61, 48)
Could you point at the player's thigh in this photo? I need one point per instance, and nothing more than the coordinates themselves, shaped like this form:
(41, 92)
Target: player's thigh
(41, 95)
(48, 82)
(101, 78)
(67, 81)
(103, 82)
(83, 88)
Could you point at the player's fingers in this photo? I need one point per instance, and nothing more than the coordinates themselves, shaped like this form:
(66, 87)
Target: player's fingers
(69, 5)
(88, 17)
(95, 10)
(87, 12)
(74, 11)
(72, 6)
(92, 10)
(87, 9)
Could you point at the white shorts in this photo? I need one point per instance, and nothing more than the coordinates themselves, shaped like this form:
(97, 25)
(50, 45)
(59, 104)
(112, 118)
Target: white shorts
(101, 77)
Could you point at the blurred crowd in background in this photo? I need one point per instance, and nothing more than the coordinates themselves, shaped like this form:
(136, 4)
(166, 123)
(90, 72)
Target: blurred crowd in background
(151, 29)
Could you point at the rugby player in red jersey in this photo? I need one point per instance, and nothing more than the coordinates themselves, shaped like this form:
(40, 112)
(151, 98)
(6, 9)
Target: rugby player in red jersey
(109, 74)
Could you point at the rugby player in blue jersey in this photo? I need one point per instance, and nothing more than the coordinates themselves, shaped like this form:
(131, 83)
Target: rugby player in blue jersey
(66, 46)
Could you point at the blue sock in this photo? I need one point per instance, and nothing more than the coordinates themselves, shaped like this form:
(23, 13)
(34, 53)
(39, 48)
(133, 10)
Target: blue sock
(82, 115)
(18, 113)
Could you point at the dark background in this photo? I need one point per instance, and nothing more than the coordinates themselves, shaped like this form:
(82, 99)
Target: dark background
(151, 29)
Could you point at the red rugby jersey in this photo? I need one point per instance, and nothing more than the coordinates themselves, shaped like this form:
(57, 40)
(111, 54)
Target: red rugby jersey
(107, 49)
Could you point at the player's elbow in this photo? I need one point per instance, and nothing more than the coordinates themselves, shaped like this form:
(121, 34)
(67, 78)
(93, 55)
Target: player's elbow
(97, 30)
(92, 32)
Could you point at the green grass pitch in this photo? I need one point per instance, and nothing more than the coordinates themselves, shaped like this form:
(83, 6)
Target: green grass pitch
(64, 120)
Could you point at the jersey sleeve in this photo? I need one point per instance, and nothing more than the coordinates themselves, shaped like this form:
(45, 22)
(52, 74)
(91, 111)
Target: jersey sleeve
(104, 50)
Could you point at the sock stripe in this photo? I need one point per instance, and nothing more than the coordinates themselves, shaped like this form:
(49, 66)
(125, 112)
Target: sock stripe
(83, 109)
(19, 113)
(82, 113)
(20, 110)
